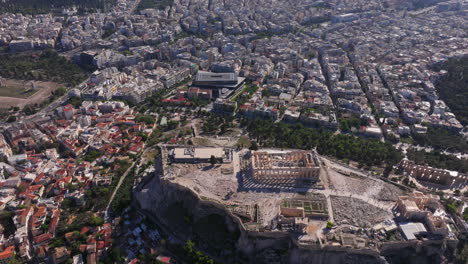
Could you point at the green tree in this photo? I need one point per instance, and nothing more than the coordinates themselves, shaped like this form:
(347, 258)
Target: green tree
(75, 101)
(189, 246)
(253, 145)
(14, 260)
(452, 208)
(6, 221)
(462, 256)
(195, 256)
(212, 160)
(282, 109)
(60, 91)
(11, 119)
(147, 119)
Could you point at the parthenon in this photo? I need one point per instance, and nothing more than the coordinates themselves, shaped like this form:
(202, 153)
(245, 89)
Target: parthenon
(285, 165)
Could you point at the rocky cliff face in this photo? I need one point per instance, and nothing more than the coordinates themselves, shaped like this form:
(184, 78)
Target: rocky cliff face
(220, 234)
(430, 251)
(179, 210)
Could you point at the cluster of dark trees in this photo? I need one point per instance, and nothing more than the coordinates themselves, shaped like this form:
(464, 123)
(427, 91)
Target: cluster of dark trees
(153, 102)
(81, 220)
(123, 196)
(246, 94)
(365, 151)
(217, 123)
(6, 221)
(453, 87)
(45, 6)
(461, 255)
(441, 139)
(353, 121)
(157, 4)
(438, 160)
(76, 102)
(92, 155)
(154, 138)
(97, 197)
(147, 119)
(196, 256)
(44, 66)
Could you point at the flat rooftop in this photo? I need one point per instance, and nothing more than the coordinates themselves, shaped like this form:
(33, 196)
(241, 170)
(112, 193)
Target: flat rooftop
(204, 76)
(198, 153)
(410, 230)
(411, 205)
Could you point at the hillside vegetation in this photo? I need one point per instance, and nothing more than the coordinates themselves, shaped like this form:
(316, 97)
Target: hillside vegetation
(453, 88)
(368, 152)
(438, 160)
(441, 139)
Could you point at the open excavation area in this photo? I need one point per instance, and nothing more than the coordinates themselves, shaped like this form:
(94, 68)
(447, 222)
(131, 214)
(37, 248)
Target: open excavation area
(356, 212)
(19, 93)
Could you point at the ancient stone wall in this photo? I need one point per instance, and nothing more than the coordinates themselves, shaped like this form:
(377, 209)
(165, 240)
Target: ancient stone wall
(434, 175)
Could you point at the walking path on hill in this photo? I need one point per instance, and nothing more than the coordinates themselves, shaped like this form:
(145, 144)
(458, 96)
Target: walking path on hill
(106, 213)
(121, 180)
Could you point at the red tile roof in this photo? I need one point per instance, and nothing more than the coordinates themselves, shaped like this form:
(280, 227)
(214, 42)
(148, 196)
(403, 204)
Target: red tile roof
(100, 245)
(7, 253)
(83, 247)
(84, 230)
(54, 221)
(39, 177)
(164, 259)
(42, 238)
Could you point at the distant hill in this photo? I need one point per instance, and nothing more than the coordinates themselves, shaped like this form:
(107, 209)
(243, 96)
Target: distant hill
(45, 6)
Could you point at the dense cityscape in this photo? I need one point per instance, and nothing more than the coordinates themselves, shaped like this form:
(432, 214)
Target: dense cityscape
(241, 131)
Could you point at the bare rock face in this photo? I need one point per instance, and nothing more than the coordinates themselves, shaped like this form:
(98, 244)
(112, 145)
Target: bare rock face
(436, 251)
(335, 256)
(179, 210)
(218, 233)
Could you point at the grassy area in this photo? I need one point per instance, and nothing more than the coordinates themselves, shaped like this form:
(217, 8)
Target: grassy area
(201, 142)
(18, 89)
(244, 142)
(150, 155)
